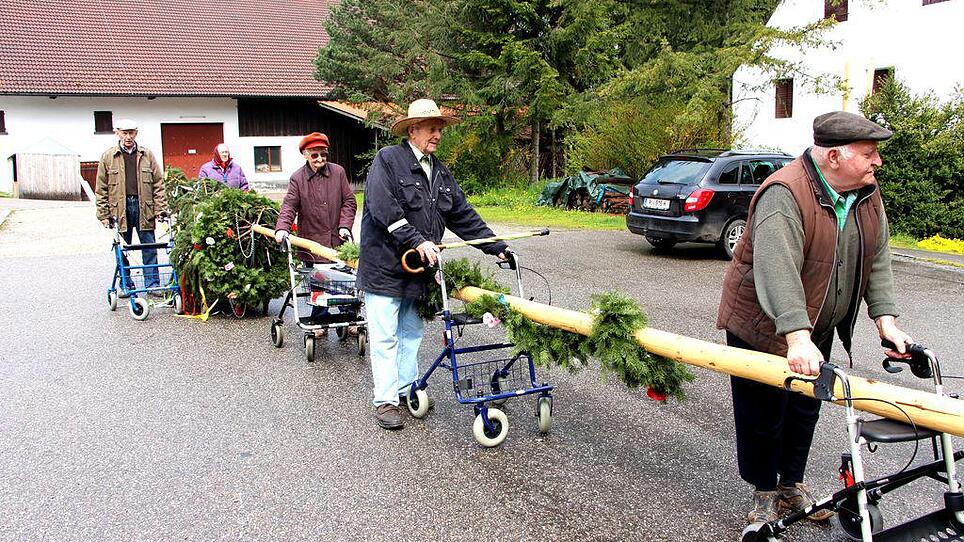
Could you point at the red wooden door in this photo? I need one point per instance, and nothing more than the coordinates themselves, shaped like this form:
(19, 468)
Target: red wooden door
(188, 146)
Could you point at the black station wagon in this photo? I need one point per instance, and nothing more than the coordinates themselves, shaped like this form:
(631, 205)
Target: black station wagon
(699, 195)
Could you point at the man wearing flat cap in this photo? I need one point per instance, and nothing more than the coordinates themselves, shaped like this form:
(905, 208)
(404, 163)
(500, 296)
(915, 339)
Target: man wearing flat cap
(816, 245)
(130, 191)
(410, 199)
(320, 198)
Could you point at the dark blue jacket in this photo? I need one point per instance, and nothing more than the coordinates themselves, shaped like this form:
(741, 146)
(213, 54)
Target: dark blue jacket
(402, 210)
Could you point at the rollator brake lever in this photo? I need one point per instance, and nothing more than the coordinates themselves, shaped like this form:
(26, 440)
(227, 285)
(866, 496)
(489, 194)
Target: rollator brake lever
(822, 384)
(919, 362)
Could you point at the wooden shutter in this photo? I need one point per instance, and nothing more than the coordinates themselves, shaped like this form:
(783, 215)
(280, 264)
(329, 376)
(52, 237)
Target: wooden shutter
(881, 76)
(784, 98)
(103, 122)
(3, 124)
(836, 9)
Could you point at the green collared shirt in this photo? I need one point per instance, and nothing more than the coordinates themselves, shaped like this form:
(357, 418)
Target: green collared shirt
(841, 204)
(424, 160)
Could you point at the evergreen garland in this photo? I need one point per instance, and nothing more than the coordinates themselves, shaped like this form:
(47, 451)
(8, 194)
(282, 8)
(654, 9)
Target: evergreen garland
(214, 248)
(349, 251)
(616, 317)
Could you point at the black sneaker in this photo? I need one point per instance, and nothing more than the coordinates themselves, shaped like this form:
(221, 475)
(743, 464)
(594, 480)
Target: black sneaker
(388, 416)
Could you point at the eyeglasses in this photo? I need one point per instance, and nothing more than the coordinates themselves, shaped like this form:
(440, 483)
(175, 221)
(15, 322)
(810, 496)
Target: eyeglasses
(315, 155)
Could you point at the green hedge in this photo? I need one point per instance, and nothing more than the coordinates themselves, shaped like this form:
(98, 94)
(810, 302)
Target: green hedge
(922, 179)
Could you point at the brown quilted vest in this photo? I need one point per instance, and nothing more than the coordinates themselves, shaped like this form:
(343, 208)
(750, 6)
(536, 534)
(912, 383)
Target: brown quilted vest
(740, 310)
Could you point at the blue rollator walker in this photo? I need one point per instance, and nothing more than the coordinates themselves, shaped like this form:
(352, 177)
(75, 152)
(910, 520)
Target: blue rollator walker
(134, 281)
(486, 382)
(858, 504)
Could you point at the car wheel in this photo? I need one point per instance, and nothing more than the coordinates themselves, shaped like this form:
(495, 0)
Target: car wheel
(731, 236)
(661, 243)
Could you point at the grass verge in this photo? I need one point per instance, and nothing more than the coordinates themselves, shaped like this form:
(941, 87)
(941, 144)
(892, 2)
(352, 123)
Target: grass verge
(517, 206)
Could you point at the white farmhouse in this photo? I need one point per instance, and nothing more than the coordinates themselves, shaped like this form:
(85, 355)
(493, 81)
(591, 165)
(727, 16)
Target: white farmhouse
(916, 41)
(192, 73)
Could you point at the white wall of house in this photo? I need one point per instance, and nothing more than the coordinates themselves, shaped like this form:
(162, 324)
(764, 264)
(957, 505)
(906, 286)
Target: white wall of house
(70, 121)
(917, 41)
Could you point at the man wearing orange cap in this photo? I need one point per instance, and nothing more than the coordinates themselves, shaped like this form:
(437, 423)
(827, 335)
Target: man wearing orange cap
(321, 199)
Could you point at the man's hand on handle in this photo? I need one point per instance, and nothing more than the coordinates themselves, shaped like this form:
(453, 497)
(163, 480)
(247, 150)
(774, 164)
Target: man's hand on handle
(428, 252)
(345, 234)
(887, 328)
(280, 236)
(803, 356)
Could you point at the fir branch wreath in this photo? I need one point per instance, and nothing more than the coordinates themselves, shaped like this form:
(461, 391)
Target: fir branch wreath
(615, 319)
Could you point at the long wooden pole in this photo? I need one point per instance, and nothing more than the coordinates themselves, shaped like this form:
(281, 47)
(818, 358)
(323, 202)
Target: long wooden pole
(926, 409)
(317, 249)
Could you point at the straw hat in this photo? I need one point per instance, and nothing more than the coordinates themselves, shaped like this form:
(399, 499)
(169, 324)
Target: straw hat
(419, 111)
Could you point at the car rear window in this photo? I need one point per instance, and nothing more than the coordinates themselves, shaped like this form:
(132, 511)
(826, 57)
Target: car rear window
(676, 171)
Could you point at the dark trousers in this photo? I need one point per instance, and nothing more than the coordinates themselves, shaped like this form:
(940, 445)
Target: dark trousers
(774, 427)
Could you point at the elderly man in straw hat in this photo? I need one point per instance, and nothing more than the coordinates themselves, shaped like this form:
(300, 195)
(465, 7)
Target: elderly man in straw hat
(410, 198)
(815, 246)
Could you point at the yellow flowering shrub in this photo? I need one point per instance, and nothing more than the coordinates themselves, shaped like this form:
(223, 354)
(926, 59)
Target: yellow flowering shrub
(940, 244)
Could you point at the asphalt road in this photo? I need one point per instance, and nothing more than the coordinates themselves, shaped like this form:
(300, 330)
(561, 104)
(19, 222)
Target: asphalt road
(112, 429)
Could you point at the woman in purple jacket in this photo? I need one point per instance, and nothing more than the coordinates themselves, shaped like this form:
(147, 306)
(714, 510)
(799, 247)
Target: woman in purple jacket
(223, 169)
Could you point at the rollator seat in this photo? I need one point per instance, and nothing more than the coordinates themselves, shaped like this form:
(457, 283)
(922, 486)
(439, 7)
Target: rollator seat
(888, 431)
(464, 319)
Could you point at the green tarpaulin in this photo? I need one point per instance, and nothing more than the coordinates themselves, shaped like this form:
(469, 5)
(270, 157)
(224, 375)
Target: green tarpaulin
(589, 191)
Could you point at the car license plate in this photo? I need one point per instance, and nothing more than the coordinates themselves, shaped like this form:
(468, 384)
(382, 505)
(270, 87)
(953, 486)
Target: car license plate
(655, 203)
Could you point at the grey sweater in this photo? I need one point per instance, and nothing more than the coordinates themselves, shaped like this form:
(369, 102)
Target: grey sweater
(777, 232)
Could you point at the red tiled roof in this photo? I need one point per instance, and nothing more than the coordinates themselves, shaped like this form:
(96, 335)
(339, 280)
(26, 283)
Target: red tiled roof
(162, 48)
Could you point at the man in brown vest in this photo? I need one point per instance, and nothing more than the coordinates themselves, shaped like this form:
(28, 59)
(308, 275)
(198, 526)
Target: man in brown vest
(816, 244)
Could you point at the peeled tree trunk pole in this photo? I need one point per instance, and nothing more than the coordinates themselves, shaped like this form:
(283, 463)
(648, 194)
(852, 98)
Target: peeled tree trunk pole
(926, 409)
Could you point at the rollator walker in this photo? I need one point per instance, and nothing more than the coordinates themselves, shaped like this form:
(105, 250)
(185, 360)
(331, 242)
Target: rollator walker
(858, 504)
(484, 384)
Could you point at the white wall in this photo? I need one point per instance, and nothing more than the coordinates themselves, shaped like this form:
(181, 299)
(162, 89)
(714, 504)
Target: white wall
(70, 121)
(919, 42)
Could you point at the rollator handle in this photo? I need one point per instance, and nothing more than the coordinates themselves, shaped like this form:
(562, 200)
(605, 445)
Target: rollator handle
(919, 362)
(822, 384)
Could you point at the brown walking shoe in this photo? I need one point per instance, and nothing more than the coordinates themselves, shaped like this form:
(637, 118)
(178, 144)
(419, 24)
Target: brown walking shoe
(766, 507)
(388, 416)
(797, 497)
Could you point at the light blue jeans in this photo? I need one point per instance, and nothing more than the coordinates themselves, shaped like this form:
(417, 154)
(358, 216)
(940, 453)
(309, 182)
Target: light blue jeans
(395, 331)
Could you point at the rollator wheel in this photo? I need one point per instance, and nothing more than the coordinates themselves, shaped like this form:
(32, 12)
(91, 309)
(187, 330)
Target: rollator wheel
(491, 437)
(342, 333)
(545, 414)
(277, 334)
(310, 348)
(848, 519)
(178, 304)
(362, 341)
(112, 300)
(752, 534)
(140, 308)
(498, 384)
(418, 406)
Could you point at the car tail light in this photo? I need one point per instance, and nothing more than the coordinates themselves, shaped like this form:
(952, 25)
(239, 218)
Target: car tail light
(632, 190)
(698, 200)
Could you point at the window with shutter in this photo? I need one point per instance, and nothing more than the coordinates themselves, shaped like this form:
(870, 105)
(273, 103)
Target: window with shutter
(103, 122)
(784, 98)
(836, 9)
(881, 76)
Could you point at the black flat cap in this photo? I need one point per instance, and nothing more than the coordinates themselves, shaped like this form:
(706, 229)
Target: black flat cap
(840, 128)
